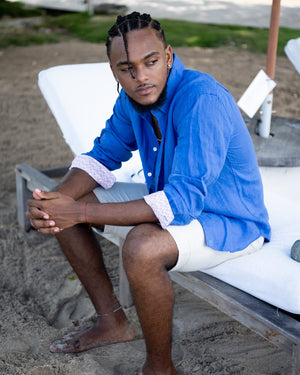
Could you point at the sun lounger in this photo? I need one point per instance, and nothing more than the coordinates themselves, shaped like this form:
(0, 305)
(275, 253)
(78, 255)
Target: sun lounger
(262, 290)
(292, 50)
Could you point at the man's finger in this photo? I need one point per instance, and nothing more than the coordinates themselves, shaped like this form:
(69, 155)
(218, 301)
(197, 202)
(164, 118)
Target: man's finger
(45, 226)
(37, 224)
(53, 230)
(35, 213)
(39, 194)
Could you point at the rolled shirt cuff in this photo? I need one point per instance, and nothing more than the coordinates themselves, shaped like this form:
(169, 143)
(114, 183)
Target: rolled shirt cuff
(95, 169)
(161, 207)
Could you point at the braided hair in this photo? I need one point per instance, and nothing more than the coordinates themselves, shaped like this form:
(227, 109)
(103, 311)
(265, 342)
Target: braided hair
(132, 21)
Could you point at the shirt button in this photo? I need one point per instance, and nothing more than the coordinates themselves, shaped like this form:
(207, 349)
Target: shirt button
(149, 174)
(154, 149)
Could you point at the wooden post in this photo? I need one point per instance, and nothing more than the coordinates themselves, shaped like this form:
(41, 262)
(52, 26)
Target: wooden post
(273, 39)
(265, 125)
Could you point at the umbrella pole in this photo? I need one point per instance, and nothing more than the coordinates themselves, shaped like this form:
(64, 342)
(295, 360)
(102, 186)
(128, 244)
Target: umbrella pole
(266, 109)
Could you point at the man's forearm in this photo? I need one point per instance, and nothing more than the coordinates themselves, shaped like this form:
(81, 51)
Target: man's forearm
(76, 184)
(122, 213)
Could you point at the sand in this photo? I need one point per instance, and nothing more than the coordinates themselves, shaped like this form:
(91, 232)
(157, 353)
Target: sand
(40, 297)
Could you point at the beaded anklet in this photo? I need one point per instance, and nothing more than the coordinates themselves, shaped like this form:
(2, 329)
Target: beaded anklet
(107, 314)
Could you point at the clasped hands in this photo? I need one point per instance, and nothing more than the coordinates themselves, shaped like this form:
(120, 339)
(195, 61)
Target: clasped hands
(51, 212)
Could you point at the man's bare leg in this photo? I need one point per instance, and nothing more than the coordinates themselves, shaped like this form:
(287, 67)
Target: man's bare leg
(148, 253)
(85, 256)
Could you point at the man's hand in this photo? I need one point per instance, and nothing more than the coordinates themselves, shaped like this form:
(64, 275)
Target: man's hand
(52, 212)
(76, 184)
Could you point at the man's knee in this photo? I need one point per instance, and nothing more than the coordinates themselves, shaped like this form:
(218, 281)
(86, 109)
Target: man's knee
(148, 246)
(137, 247)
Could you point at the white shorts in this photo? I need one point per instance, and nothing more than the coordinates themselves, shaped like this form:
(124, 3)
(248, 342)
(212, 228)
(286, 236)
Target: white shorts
(193, 254)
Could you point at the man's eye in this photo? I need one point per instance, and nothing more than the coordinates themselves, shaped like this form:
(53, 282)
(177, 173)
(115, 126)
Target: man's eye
(152, 62)
(126, 69)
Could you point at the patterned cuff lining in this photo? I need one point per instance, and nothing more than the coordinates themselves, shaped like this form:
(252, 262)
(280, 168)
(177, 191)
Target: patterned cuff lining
(161, 207)
(95, 169)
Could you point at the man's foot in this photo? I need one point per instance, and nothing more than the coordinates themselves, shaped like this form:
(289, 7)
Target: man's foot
(102, 333)
(149, 371)
(173, 373)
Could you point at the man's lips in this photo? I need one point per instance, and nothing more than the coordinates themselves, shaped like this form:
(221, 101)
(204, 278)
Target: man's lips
(145, 89)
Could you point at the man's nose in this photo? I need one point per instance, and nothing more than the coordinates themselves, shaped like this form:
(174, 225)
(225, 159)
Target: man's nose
(140, 74)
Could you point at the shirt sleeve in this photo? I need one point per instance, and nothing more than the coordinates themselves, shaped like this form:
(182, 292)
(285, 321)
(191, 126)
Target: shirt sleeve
(117, 140)
(161, 207)
(95, 169)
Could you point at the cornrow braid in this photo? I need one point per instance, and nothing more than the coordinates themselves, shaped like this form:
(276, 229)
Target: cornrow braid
(132, 21)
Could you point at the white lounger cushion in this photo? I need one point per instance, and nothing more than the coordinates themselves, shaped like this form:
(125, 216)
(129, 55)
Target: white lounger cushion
(81, 98)
(292, 50)
(270, 274)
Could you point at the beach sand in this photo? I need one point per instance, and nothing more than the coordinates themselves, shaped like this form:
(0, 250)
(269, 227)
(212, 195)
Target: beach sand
(41, 298)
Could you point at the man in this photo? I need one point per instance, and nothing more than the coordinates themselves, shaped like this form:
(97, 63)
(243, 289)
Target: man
(202, 203)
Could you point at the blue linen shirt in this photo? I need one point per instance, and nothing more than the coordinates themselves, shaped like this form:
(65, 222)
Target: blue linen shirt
(205, 164)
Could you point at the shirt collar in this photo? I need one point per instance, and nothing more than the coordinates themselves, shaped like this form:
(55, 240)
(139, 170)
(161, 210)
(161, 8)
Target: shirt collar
(172, 83)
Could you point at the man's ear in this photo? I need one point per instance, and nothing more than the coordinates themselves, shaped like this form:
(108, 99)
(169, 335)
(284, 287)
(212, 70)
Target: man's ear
(169, 55)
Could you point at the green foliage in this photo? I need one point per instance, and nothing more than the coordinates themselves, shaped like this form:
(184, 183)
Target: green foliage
(17, 9)
(28, 39)
(182, 33)
(178, 33)
(91, 29)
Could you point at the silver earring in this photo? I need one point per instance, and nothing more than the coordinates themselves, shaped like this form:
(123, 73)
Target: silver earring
(169, 66)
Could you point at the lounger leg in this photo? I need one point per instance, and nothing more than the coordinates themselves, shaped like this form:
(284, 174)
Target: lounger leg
(23, 194)
(296, 360)
(27, 179)
(125, 295)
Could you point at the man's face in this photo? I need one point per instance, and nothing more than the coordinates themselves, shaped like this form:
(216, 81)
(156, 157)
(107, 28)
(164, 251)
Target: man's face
(146, 75)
